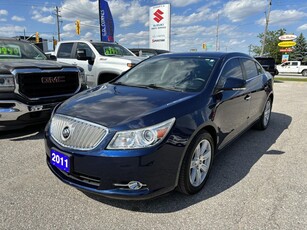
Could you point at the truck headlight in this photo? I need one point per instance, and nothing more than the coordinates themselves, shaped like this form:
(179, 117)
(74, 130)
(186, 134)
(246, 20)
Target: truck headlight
(141, 138)
(7, 83)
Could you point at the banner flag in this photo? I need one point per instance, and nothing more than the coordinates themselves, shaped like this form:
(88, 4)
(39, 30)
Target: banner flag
(106, 22)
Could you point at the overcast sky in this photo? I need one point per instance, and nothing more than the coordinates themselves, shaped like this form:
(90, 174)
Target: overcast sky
(193, 21)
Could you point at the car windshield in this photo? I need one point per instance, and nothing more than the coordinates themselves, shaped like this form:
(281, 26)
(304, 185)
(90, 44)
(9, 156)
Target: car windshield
(170, 73)
(20, 50)
(111, 49)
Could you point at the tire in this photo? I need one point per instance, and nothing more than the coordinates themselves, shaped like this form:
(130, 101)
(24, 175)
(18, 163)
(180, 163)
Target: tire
(304, 73)
(196, 164)
(264, 120)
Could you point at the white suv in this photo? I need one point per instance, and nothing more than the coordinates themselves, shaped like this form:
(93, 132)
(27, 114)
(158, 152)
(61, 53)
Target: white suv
(101, 61)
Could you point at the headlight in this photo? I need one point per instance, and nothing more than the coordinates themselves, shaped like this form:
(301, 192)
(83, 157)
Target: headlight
(141, 138)
(6, 83)
(82, 76)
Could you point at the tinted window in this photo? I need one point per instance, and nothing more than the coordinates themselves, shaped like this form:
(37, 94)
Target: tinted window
(294, 63)
(172, 73)
(65, 50)
(250, 68)
(266, 61)
(88, 50)
(259, 69)
(232, 69)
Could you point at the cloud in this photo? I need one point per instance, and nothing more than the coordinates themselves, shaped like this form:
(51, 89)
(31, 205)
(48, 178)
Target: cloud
(177, 3)
(43, 14)
(286, 17)
(3, 12)
(11, 30)
(203, 15)
(18, 19)
(238, 10)
(134, 13)
(302, 27)
(133, 39)
(3, 20)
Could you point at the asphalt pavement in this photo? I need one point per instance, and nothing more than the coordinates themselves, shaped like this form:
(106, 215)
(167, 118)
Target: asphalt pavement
(259, 182)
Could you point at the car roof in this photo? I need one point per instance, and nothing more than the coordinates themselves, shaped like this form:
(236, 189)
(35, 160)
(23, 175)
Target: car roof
(69, 41)
(217, 55)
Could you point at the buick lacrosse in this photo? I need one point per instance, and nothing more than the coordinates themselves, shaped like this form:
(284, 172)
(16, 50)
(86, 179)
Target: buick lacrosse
(158, 126)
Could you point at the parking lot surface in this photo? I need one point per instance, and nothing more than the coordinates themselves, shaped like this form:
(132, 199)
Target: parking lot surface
(259, 182)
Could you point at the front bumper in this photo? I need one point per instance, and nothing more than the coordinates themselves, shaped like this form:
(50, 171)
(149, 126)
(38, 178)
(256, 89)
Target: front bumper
(105, 174)
(15, 114)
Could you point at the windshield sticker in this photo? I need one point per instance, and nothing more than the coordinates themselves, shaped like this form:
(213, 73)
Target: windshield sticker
(111, 51)
(9, 51)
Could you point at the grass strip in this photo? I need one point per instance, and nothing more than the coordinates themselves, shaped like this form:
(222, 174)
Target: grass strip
(290, 79)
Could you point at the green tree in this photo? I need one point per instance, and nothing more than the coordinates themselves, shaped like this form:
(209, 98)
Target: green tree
(271, 48)
(300, 49)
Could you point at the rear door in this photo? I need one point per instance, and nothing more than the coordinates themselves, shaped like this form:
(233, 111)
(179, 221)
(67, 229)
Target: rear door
(233, 106)
(64, 53)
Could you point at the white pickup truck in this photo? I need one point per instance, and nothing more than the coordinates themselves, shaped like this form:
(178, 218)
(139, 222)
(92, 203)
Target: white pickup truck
(293, 67)
(101, 61)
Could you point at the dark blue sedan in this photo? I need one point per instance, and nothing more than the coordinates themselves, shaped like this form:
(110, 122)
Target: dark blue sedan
(159, 125)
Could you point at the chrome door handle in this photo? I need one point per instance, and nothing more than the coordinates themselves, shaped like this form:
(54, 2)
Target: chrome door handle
(247, 97)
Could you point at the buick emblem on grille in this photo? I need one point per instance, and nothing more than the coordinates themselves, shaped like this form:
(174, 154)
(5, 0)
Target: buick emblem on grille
(51, 80)
(65, 133)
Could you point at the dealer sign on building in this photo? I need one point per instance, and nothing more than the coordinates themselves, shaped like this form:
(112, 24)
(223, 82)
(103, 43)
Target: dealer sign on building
(159, 27)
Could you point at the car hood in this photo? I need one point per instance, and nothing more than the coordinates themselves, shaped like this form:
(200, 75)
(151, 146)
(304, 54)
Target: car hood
(113, 105)
(12, 64)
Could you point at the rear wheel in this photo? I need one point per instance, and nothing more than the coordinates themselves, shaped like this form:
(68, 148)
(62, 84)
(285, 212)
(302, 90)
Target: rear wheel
(264, 120)
(197, 164)
(304, 73)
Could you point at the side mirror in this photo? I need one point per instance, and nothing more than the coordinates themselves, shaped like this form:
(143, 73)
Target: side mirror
(81, 54)
(91, 60)
(232, 83)
(53, 57)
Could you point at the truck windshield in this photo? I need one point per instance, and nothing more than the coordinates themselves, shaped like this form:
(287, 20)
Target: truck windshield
(106, 49)
(19, 50)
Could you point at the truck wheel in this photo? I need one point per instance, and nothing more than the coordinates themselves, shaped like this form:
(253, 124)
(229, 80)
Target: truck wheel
(304, 73)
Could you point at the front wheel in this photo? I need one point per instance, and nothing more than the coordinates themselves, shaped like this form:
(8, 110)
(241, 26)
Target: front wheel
(264, 120)
(196, 164)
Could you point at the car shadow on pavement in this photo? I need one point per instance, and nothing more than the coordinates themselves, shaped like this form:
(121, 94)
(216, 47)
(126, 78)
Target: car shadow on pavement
(229, 168)
(34, 132)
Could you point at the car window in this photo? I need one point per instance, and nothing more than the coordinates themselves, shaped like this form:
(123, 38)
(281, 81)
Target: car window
(250, 68)
(88, 50)
(294, 63)
(179, 74)
(231, 69)
(65, 50)
(259, 69)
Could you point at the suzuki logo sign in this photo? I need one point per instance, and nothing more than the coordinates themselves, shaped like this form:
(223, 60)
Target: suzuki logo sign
(158, 15)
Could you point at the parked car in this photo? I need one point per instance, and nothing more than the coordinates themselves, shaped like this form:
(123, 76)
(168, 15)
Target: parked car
(293, 67)
(147, 52)
(101, 61)
(31, 85)
(268, 63)
(159, 126)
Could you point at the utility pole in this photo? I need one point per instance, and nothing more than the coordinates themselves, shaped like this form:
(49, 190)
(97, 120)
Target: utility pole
(267, 19)
(58, 22)
(217, 34)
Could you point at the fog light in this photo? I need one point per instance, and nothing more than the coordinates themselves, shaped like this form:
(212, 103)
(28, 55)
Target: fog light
(133, 185)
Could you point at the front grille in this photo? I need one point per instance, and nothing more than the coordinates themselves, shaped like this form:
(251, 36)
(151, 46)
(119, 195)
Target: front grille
(75, 133)
(46, 84)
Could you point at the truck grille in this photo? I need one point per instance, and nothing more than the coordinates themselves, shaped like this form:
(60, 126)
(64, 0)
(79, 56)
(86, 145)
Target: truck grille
(48, 84)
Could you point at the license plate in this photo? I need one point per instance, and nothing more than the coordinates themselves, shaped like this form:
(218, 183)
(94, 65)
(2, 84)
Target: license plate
(60, 160)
